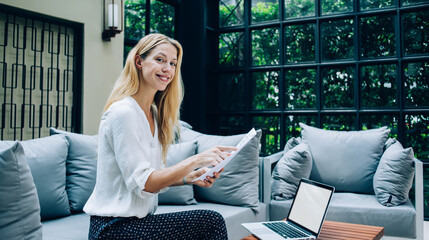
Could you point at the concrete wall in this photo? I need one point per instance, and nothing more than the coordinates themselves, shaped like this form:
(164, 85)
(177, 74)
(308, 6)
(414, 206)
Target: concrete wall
(102, 60)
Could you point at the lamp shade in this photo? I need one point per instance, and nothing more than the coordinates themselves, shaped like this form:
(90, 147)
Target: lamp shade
(113, 18)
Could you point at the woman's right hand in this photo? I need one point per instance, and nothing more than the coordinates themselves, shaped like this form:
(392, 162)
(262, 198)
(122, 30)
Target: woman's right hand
(213, 156)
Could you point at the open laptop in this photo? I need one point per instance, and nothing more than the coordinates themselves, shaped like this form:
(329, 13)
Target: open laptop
(305, 217)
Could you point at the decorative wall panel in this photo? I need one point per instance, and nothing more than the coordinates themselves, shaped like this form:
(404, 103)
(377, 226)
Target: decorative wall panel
(37, 72)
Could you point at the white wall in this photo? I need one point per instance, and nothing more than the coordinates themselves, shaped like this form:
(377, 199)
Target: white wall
(102, 60)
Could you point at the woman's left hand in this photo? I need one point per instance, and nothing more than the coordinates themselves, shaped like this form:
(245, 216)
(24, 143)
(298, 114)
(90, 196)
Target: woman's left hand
(208, 182)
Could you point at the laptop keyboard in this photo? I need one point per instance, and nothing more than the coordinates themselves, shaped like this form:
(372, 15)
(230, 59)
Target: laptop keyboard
(285, 230)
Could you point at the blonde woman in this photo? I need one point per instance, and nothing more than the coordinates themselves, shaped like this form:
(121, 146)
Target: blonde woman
(136, 129)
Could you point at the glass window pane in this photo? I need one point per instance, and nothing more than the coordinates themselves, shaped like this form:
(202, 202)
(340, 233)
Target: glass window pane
(300, 85)
(416, 84)
(230, 125)
(265, 10)
(231, 91)
(265, 46)
(231, 49)
(161, 18)
(378, 121)
(338, 122)
(265, 90)
(416, 32)
(270, 140)
(378, 36)
(409, 2)
(336, 6)
(337, 39)
(375, 4)
(292, 124)
(231, 12)
(378, 87)
(300, 43)
(426, 190)
(127, 49)
(418, 135)
(299, 8)
(134, 19)
(338, 87)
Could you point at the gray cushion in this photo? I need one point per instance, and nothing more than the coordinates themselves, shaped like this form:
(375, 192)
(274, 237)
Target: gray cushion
(238, 184)
(362, 209)
(291, 143)
(46, 158)
(389, 143)
(346, 160)
(19, 204)
(394, 176)
(179, 194)
(294, 165)
(73, 227)
(81, 167)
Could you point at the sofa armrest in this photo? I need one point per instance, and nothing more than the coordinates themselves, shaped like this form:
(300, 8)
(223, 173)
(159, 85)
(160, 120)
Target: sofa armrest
(265, 164)
(419, 197)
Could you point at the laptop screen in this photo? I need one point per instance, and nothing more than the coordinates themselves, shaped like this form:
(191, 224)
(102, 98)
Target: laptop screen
(310, 204)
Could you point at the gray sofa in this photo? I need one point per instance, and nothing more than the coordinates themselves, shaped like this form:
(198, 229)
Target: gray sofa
(62, 169)
(53, 177)
(373, 206)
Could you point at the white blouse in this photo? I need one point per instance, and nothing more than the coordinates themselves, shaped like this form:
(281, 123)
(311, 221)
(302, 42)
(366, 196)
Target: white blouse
(127, 155)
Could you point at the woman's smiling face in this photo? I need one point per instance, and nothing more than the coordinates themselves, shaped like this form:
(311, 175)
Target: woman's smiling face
(159, 67)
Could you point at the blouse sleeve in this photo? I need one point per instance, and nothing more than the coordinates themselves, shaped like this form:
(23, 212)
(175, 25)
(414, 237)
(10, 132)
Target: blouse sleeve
(129, 150)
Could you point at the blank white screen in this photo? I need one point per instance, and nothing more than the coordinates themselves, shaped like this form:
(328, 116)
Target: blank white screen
(309, 207)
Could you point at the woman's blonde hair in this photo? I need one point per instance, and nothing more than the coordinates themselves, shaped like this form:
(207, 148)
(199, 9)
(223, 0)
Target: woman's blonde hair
(167, 102)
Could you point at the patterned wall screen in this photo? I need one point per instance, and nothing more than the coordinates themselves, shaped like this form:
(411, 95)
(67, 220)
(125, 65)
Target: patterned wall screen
(38, 74)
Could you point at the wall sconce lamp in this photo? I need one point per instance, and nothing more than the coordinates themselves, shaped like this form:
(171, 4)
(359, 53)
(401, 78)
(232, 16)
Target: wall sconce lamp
(113, 18)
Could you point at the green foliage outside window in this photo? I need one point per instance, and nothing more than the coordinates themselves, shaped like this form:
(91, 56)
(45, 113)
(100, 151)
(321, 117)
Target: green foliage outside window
(336, 6)
(231, 46)
(410, 2)
(342, 122)
(161, 21)
(375, 4)
(300, 85)
(134, 18)
(270, 126)
(299, 8)
(292, 124)
(337, 39)
(162, 18)
(231, 12)
(266, 92)
(417, 84)
(232, 95)
(377, 121)
(265, 46)
(300, 44)
(264, 11)
(338, 87)
(416, 34)
(378, 36)
(378, 87)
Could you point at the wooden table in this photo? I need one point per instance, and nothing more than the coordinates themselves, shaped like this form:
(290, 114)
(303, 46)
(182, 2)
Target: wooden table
(338, 230)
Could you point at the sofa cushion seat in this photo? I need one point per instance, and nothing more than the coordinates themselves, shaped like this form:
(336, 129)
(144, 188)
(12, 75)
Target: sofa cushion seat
(73, 227)
(234, 215)
(362, 209)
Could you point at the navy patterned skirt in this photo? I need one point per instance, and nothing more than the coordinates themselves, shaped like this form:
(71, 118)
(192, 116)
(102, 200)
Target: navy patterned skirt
(195, 224)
